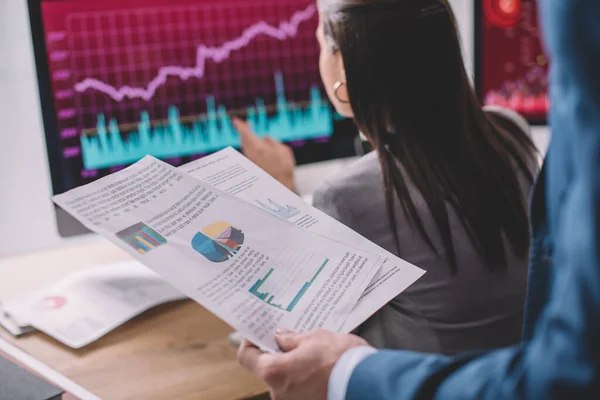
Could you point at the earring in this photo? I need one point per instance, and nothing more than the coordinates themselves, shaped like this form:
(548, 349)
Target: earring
(336, 88)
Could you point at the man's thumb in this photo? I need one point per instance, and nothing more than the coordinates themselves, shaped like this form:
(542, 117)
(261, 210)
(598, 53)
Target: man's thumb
(287, 340)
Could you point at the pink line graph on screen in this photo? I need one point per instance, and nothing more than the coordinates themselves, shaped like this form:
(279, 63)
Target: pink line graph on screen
(285, 30)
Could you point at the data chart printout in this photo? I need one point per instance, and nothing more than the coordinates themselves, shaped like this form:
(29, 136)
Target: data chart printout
(512, 66)
(255, 270)
(233, 173)
(130, 78)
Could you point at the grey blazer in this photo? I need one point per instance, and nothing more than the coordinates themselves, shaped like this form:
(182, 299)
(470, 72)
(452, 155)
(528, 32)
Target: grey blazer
(441, 313)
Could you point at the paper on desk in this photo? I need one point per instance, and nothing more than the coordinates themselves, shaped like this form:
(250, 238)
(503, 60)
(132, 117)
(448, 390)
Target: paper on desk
(13, 325)
(83, 307)
(235, 174)
(253, 270)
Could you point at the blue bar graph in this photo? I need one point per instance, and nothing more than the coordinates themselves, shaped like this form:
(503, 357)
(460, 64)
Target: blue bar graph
(263, 296)
(141, 237)
(298, 297)
(108, 148)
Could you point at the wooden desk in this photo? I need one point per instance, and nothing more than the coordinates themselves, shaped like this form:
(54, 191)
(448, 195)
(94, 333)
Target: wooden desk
(176, 351)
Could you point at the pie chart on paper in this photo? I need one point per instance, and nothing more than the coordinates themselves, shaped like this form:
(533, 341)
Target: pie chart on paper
(218, 242)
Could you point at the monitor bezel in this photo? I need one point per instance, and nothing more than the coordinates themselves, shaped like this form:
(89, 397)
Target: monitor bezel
(45, 92)
(66, 225)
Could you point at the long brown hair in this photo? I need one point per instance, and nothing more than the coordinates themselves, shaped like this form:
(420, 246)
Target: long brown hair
(411, 96)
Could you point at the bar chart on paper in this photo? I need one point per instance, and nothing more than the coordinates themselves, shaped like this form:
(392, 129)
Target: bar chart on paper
(284, 285)
(142, 238)
(165, 77)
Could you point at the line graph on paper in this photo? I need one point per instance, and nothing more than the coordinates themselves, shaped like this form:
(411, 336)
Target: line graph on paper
(165, 79)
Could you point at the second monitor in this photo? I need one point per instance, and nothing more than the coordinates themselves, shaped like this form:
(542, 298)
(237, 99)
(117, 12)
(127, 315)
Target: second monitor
(511, 68)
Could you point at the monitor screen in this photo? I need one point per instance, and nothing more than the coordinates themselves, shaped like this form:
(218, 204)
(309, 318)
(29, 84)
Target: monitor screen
(511, 68)
(120, 79)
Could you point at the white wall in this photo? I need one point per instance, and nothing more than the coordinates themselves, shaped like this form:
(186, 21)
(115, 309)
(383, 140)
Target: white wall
(26, 215)
(463, 10)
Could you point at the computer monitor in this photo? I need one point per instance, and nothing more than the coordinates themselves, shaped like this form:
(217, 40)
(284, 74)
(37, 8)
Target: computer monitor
(119, 79)
(511, 69)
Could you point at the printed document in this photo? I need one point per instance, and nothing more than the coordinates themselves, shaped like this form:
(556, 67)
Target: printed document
(254, 270)
(233, 173)
(13, 325)
(82, 307)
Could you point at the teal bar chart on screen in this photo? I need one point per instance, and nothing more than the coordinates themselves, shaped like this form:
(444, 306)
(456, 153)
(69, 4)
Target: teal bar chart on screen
(208, 134)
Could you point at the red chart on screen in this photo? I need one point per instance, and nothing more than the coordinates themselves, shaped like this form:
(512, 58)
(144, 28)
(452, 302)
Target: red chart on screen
(514, 68)
(115, 60)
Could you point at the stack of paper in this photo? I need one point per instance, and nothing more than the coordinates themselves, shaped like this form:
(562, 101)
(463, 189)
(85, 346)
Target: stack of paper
(236, 241)
(13, 325)
(85, 306)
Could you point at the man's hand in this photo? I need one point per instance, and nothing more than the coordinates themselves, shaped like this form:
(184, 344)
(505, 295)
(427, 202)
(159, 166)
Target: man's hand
(274, 157)
(303, 371)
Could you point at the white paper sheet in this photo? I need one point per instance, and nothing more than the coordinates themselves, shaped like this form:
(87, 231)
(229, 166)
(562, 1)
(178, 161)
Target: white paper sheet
(255, 271)
(13, 325)
(82, 307)
(233, 173)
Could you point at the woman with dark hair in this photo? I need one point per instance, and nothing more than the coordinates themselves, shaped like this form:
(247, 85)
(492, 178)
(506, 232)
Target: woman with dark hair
(446, 188)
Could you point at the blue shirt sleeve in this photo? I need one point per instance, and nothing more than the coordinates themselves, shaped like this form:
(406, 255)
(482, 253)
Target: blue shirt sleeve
(340, 376)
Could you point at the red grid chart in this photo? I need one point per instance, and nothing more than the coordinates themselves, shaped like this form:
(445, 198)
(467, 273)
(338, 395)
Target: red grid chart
(120, 58)
(514, 69)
